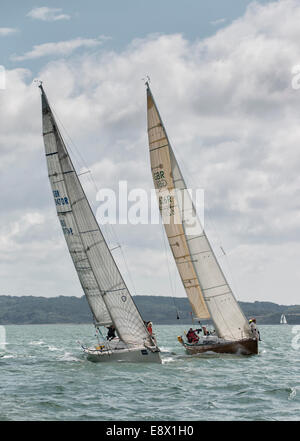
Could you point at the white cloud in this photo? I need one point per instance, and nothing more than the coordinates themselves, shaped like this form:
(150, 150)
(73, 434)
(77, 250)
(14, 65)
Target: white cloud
(47, 14)
(217, 22)
(58, 49)
(232, 117)
(7, 31)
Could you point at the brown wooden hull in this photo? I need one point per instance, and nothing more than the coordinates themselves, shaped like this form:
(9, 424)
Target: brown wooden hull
(240, 347)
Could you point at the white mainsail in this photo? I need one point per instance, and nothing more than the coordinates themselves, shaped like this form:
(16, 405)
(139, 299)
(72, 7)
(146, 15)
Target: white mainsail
(104, 287)
(205, 284)
(283, 320)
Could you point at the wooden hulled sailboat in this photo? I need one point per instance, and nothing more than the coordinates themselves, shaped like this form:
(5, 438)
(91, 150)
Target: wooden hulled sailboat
(107, 295)
(205, 284)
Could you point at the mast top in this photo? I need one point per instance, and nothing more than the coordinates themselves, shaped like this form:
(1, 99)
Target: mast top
(147, 81)
(39, 83)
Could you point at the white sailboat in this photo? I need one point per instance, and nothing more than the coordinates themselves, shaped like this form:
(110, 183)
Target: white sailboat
(107, 295)
(283, 320)
(205, 284)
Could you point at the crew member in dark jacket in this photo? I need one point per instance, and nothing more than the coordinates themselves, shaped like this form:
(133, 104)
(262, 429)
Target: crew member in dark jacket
(111, 333)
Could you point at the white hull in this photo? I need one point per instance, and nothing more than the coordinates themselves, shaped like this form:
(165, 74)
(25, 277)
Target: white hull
(131, 355)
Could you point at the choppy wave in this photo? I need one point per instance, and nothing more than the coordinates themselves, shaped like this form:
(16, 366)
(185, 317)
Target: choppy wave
(49, 378)
(37, 343)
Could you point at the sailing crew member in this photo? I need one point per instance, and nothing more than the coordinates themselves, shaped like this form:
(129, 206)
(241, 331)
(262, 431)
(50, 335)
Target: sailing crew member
(111, 333)
(149, 328)
(205, 331)
(254, 330)
(191, 336)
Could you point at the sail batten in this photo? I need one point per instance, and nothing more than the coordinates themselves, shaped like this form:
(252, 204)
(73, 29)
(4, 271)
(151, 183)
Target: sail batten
(108, 296)
(195, 258)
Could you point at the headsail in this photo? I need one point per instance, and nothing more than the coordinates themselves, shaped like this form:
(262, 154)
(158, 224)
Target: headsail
(106, 292)
(283, 320)
(202, 277)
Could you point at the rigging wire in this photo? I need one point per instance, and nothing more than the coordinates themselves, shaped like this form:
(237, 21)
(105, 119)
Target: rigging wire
(173, 287)
(211, 223)
(107, 227)
(71, 141)
(82, 163)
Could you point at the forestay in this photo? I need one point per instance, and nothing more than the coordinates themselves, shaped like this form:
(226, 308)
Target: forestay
(201, 275)
(106, 292)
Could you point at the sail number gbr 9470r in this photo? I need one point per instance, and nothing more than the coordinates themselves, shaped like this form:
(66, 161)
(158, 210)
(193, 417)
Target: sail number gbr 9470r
(60, 200)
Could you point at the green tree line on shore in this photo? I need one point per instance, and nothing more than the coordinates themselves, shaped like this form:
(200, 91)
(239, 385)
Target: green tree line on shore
(160, 310)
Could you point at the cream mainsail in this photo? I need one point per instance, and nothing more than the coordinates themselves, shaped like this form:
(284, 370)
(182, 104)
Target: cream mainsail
(205, 284)
(102, 283)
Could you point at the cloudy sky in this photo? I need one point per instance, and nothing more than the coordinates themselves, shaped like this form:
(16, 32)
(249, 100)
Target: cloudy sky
(225, 76)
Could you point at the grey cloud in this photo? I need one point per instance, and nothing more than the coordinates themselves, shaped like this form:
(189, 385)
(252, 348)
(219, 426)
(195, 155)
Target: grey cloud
(232, 117)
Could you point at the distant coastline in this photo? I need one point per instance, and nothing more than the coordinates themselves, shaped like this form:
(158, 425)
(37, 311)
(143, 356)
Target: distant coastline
(159, 309)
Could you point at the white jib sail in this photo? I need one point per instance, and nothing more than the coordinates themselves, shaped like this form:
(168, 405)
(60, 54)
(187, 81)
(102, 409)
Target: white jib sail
(202, 277)
(283, 319)
(106, 292)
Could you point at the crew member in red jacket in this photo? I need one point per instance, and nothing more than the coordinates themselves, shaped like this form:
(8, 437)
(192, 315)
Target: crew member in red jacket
(191, 336)
(149, 328)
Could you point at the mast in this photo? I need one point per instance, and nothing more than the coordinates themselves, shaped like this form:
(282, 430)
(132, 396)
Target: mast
(204, 282)
(100, 278)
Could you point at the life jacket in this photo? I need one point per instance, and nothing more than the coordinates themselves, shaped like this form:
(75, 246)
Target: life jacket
(192, 337)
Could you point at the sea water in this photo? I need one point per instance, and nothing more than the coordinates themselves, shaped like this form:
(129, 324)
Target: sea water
(45, 376)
